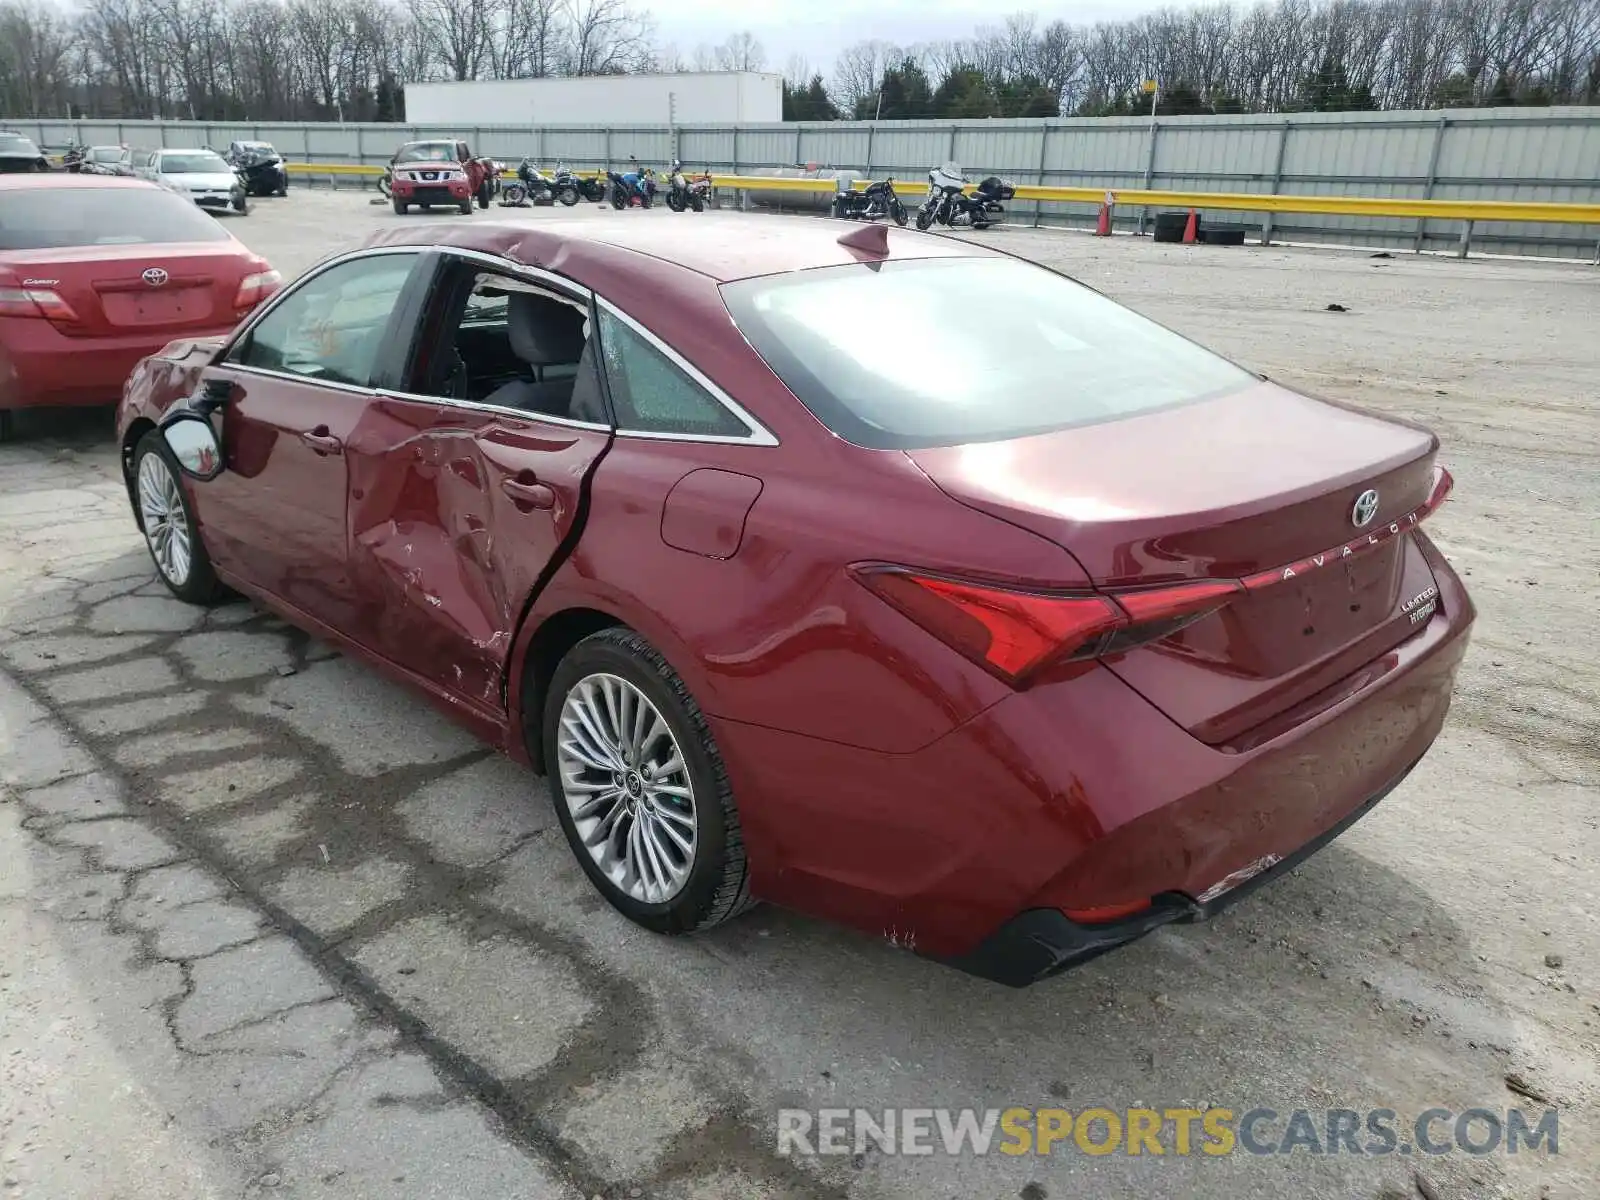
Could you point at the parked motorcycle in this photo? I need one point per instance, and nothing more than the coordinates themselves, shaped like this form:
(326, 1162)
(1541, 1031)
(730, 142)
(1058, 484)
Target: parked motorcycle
(72, 158)
(581, 189)
(949, 205)
(632, 187)
(684, 193)
(876, 201)
(532, 186)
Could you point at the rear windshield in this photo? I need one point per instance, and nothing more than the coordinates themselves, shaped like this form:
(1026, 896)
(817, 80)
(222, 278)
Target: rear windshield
(15, 143)
(940, 352)
(201, 163)
(48, 218)
(105, 154)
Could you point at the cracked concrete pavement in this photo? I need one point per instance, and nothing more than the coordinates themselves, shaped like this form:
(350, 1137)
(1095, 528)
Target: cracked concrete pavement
(271, 926)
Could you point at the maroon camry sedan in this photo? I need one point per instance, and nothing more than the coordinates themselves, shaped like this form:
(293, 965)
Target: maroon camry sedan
(884, 577)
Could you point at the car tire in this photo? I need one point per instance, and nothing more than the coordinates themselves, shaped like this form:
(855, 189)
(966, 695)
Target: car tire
(242, 206)
(672, 892)
(483, 194)
(161, 504)
(400, 207)
(466, 207)
(8, 425)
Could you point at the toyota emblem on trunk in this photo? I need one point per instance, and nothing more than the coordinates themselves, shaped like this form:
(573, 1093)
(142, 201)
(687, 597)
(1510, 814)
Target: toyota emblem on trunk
(1365, 509)
(156, 277)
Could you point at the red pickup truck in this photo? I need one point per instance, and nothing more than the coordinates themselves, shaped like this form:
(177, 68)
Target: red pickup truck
(430, 173)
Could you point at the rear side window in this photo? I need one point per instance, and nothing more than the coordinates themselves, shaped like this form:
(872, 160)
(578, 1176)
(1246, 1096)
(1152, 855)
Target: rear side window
(49, 218)
(15, 143)
(652, 394)
(942, 352)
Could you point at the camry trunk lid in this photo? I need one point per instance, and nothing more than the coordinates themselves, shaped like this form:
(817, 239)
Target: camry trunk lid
(1307, 502)
(134, 289)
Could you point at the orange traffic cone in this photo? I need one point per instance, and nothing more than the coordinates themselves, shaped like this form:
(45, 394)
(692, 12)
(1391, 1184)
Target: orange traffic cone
(1102, 227)
(1191, 233)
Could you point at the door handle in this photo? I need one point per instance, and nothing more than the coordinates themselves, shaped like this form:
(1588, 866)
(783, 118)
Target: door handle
(525, 488)
(323, 442)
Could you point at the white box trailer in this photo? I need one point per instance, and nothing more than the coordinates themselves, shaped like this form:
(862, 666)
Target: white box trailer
(619, 101)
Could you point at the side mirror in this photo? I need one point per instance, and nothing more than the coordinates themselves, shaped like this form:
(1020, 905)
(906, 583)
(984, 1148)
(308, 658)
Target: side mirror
(194, 444)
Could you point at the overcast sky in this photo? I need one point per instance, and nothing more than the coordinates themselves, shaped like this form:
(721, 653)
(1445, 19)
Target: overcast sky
(817, 29)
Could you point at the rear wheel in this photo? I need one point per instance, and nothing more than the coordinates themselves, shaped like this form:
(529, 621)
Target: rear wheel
(640, 789)
(400, 207)
(483, 194)
(169, 529)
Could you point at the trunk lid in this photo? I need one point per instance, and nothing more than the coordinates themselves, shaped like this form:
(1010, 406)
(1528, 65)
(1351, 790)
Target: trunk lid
(1239, 487)
(110, 294)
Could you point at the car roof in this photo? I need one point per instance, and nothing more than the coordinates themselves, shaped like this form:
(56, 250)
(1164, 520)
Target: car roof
(722, 247)
(44, 182)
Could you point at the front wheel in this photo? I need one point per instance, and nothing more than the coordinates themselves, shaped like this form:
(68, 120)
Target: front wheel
(618, 201)
(466, 207)
(241, 206)
(696, 203)
(898, 211)
(640, 788)
(568, 196)
(8, 425)
(924, 218)
(483, 194)
(400, 207)
(169, 529)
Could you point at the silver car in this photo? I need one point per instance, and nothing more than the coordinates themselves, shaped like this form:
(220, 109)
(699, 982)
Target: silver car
(202, 175)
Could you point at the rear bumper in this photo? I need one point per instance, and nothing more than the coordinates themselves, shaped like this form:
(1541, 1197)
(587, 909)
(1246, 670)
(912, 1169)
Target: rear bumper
(1071, 797)
(1041, 942)
(41, 367)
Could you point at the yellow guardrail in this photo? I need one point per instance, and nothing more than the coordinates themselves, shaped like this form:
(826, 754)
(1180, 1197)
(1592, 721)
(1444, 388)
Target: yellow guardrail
(1336, 206)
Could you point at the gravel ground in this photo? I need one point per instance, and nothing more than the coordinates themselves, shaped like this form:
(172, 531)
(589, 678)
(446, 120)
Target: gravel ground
(269, 926)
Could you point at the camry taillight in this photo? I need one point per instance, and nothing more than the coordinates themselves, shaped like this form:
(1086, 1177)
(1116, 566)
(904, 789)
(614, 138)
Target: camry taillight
(36, 302)
(1014, 633)
(253, 289)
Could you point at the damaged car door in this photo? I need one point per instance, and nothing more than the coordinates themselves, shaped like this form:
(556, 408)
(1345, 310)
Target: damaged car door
(468, 478)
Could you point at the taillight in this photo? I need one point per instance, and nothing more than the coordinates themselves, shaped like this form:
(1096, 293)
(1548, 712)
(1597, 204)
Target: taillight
(1013, 633)
(36, 302)
(253, 289)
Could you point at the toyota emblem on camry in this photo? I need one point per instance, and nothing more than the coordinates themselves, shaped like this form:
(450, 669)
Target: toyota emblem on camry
(156, 277)
(1365, 509)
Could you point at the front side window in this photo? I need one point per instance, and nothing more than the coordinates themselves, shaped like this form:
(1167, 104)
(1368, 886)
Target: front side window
(14, 143)
(942, 352)
(652, 394)
(331, 327)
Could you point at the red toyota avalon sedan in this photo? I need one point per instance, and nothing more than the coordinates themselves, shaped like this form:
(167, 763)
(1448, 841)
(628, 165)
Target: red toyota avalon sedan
(96, 273)
(885, 577)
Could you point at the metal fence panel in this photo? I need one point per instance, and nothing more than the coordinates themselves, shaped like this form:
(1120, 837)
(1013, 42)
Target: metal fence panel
(1511, 154)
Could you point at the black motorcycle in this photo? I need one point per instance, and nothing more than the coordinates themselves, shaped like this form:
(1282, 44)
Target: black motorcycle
(261, 167)
(683, 193)
(581, 189)
(875, 202)
(949, 205)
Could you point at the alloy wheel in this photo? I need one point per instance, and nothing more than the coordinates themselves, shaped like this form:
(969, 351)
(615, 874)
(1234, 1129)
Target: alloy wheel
(627, 788)
(166, 527)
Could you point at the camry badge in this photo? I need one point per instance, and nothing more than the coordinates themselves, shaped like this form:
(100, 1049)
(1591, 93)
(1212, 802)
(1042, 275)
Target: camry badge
(156, 277)
(1366, 508)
